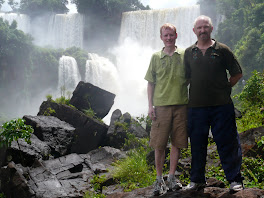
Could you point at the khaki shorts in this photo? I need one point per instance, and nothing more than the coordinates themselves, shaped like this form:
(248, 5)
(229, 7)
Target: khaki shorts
(171, 121)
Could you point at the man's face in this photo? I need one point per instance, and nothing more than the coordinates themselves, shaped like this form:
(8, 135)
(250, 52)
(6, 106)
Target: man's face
(168, 37)
(202, 29)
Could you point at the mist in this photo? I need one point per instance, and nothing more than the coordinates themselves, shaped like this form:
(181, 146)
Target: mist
(117, 59)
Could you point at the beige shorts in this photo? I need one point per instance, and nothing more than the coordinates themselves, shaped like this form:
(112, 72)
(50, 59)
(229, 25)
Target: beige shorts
(171, 121)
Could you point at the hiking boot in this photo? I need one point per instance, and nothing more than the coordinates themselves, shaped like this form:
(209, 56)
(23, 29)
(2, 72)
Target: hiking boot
(159, 187)
(195, 186)
(236, 186)
(173, 184)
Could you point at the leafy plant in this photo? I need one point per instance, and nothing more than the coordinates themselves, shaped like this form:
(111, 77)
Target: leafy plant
(251, 118)
(49, 111)
(123, 125)
(251, 100)
(13, 130)
(63, 100)
(134, 172)
(253, 171)
(90, 113)
(253, 92)
(2, 195)
(144, 121)
(89, 194)
(97, 182)
(260, 143)
(49, 97)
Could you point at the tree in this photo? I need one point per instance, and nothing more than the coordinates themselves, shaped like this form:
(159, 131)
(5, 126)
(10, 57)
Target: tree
(13, 4)
(243, 31)
(1, 2)
(39, 7)
(103, 20)
(253, 92)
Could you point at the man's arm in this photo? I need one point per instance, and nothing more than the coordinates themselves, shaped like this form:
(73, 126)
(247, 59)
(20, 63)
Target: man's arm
(151, 111)
(234, 79)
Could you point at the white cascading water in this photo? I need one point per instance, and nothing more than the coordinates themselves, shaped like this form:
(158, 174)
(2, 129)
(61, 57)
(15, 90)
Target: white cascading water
(139, 38)
(68, 75)
(23, 21)
(58, 31)
(65, 30)
(102, 73)
(144, 26)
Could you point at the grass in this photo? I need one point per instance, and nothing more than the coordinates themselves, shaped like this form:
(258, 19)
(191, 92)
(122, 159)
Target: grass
(134, 172)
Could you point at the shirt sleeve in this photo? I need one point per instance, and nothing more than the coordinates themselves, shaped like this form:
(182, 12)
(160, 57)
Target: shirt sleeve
(232, 64)
(151, 74)
(187, 65)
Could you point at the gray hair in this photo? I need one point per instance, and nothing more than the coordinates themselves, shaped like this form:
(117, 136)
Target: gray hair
(204, 18)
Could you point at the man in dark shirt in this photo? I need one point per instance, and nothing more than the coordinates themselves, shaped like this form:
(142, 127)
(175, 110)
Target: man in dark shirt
(210, 105)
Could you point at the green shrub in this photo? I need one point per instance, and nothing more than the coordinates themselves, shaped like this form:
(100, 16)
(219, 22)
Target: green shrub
(90, 113)
(89, 194)
(2, 195)
(251, 118)
(97, 182)
(250, 101)
(13, 130)
(253, 171)
(134, 172)
(63, 100)
(253, 92)
(49, 97)
(49, 111)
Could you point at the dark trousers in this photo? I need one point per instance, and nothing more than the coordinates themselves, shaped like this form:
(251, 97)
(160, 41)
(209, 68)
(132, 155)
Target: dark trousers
(222, 121)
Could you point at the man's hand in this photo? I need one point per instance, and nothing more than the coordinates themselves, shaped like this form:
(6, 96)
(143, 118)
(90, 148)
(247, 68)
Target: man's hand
(151, 113)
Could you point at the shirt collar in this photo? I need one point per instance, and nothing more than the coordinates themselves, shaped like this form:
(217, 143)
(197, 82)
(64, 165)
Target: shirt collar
(215, 45)
(163, 54)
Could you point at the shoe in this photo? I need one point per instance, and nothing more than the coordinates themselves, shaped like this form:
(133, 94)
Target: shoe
(159, 187)
(236, 186)
(173, 184)
(195, 186)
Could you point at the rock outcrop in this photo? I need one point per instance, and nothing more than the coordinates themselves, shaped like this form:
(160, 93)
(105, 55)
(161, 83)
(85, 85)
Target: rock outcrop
(89, 132)
(87, 96)
(121, 126)
(68, 148)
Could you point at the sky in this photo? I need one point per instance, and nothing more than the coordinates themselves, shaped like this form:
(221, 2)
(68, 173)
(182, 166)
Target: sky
(154, 4)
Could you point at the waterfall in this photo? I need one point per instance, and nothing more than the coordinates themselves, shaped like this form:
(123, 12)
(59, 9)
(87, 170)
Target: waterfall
(23, 21)
(58, 31)
(143, 26)
(65, 30)
(139, 38)
(69, 75)
(101, 72)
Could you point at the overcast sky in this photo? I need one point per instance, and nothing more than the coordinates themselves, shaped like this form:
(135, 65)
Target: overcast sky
(154, 4)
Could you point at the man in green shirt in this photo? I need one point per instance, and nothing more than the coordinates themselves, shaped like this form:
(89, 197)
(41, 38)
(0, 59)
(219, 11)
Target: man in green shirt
(167, 99)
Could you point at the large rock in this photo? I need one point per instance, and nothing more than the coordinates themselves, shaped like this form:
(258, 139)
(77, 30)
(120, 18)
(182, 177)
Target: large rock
(58, 134)
(89, 133)
(24, 153)
(249, 141)
(63, 177)
(120, 128)
(214, 189)
(87, 96)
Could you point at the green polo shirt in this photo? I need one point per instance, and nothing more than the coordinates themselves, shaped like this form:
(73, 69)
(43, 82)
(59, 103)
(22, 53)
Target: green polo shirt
(168, 75)
(209, 85)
